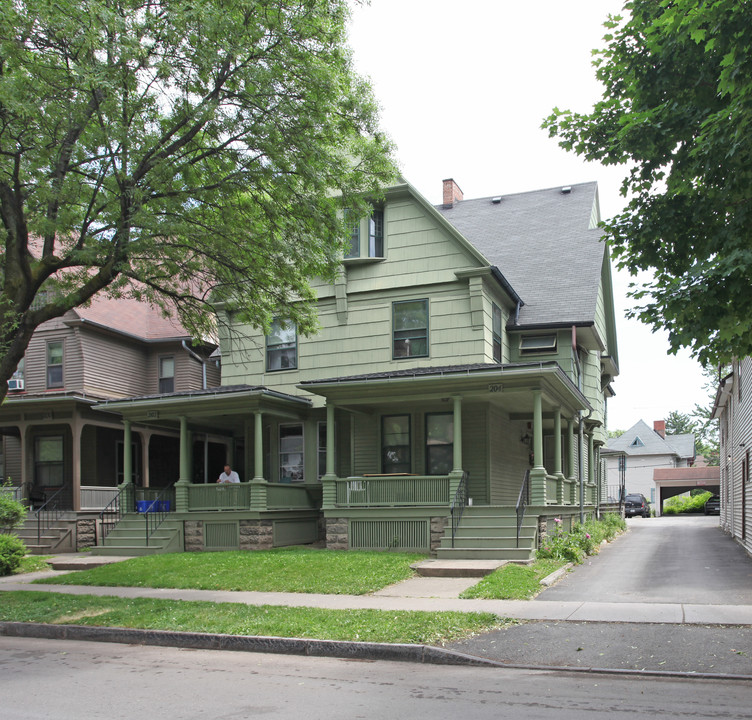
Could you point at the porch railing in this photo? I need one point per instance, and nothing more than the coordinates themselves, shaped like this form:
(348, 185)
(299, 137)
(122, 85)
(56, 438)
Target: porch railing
(96, 497)
(290, 496)
(386, 491)
(50, 512)
(459, 503)
(522, 501)
(225, 496)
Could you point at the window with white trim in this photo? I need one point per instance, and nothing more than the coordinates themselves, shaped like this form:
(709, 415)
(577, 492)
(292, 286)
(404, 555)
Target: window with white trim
(291, 453)
(55, 364)
(410, 328)
(395, 444)
(282, 346)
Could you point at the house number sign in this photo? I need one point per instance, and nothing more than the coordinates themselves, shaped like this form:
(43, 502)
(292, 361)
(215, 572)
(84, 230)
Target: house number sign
(494, 388)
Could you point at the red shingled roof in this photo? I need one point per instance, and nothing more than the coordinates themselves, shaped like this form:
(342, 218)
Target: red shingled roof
(132, 317)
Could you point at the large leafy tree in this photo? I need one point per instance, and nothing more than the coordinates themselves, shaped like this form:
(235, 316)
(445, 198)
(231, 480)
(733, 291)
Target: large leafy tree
(186, 152)
(677, 112)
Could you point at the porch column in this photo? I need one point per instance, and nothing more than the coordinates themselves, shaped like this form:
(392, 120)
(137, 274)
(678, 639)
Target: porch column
(538, 473)
(181, 486)
(557, 461)
(76, 460)
(455, 476)
(591, 465)
(328, 482)
(128, 497)
(571, 472)
(259, 486)
(457, 440)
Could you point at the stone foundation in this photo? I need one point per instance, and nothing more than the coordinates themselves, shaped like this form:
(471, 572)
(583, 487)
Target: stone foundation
(542, 530)
(336, 534)
(256, 534)
(193, 535)
(438, 528)
(86, 533)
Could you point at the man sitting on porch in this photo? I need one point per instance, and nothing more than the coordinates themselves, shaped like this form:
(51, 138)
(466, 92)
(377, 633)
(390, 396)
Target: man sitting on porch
(228, 476)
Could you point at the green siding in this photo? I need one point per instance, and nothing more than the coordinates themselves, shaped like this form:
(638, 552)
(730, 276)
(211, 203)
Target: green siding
(475, 451)
(509, 457)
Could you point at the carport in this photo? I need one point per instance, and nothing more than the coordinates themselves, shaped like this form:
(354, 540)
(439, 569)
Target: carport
(675, 481)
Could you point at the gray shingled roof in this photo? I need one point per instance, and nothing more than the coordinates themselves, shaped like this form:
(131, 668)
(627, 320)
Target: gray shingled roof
(652, 443)
(542, 243)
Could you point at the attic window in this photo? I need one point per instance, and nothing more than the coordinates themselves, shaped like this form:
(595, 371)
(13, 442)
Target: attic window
(537, 344)
(637, 443)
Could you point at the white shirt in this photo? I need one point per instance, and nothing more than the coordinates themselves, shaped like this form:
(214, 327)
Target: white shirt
(231, 478)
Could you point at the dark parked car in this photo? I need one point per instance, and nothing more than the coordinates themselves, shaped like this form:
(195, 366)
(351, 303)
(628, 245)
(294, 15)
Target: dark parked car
(636, 504)
(713, 505)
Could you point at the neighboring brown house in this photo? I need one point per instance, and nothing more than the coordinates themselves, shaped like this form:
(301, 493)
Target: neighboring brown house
(51, 436)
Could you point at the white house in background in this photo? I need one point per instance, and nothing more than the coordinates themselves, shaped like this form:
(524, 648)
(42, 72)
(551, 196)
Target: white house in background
(644, 450)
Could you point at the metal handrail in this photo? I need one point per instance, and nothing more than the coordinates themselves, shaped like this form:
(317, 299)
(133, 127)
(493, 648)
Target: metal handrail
(48, 513)
(458, 504)
(111, 514)
(156, 514)
(522, 502)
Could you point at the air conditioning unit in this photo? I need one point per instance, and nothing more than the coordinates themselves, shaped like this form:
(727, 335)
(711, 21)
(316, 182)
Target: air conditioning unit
(16, 384)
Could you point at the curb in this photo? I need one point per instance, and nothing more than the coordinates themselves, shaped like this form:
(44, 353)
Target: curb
(245, 643)
(426, 654)
(555, 575)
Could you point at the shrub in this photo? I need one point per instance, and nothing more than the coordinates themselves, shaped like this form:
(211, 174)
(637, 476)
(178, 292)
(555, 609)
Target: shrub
(12, 551)
(12, 512)
(583, 540)
(686, 504)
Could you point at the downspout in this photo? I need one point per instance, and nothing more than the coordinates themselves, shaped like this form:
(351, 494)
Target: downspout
(581, 427)
(200, 359)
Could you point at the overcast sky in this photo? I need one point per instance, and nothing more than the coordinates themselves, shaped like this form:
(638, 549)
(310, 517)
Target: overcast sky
(463, 88)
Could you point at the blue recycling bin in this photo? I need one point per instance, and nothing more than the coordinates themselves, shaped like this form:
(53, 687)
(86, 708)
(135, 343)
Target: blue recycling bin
(145, 506)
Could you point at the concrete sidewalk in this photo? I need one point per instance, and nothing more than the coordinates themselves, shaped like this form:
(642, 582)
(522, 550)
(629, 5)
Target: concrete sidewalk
(426, 594)
(682, 640)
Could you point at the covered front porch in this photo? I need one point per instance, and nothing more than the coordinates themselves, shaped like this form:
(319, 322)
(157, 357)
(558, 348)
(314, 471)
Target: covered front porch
(510, 437)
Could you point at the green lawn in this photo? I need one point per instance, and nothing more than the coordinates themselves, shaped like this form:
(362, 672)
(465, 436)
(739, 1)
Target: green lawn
(235, 619)
(514, 582)
(300, 570)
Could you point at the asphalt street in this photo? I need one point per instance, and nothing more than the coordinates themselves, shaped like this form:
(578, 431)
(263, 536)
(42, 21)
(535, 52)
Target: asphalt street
(70, 680)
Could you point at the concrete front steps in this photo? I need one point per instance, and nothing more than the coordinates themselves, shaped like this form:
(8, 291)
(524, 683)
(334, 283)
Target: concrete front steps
(128, 537)
(490, 533)
(58, 538)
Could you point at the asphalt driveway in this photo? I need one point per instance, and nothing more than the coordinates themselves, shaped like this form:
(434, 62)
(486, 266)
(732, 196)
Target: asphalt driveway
(680, 559)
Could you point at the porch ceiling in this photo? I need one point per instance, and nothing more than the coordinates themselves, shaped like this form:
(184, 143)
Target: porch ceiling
(220, 409)
(509, 387)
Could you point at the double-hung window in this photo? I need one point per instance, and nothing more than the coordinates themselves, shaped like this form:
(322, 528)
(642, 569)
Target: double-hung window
(410, 328)
(354, 250)
(282, 346)
(496, 331)
(55, 364)
(291, 465)
(48, 460)
(166, 374)
(376, 234)
(395, 444)
(439, 443)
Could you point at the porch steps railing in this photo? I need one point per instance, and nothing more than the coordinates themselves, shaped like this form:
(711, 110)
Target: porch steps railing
(128, 537)
(56, 537)
(490, 533)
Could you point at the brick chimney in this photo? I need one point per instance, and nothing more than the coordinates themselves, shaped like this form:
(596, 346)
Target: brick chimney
(660, 427)
(452, 193)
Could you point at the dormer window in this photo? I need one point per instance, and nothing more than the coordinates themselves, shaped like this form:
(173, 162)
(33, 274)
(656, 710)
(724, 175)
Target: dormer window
(637, 443)
(496, 332)
(366, 235)
(531, 344)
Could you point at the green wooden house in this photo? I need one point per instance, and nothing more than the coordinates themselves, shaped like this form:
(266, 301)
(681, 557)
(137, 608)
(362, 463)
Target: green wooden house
(459, 377)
